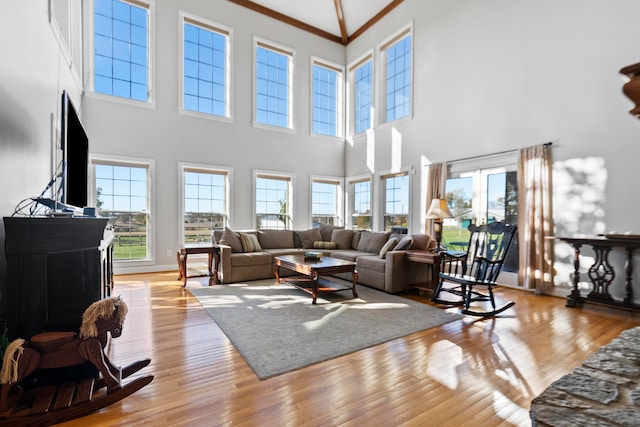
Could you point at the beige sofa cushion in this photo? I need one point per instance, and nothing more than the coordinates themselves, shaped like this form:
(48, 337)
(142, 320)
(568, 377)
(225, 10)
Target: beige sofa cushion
(230, 238)
(307, 237)
(326, 230)
(371, 241)
(275, 239)
(342, 238)
(249, 259)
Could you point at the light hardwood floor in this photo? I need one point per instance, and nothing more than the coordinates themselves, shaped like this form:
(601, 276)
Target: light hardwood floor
(468, 372)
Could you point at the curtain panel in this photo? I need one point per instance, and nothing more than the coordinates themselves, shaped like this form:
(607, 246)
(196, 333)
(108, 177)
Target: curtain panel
(435, 189)
(535, 218)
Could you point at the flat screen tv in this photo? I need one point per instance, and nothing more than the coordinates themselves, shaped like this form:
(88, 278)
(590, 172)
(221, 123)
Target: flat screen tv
(74, 143)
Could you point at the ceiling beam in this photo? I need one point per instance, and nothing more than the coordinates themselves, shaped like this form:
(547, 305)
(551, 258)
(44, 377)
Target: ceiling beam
(287, 19)
(378, 16)
(345, 39)
(343, 27)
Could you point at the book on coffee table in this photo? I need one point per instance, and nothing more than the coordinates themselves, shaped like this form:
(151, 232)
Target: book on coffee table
(313, 255)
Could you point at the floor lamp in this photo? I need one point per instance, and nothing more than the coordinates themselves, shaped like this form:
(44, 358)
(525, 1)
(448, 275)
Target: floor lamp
(438, 210)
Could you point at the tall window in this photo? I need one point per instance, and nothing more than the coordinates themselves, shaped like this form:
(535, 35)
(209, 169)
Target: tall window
(362, 80)
(273, 85)
(205, 202)
(325, 201)
(480, 195)
(206, 67)
(397, 62)
(273, 201)
(121, 49)
(361, 214)
(122, 194)
(327, 98)
(396, 202)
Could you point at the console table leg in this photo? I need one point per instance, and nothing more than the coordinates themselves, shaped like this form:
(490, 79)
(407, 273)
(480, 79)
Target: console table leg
(574, 297)
(628, 295)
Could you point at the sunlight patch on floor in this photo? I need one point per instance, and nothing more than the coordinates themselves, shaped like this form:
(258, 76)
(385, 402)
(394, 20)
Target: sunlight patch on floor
(443, 369)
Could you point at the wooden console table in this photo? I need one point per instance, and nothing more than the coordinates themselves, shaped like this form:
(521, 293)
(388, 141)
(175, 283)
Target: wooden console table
(602, 273)
(211, 250)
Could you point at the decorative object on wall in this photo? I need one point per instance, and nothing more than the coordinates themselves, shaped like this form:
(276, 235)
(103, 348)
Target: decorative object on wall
(437, 211)
(632, 87)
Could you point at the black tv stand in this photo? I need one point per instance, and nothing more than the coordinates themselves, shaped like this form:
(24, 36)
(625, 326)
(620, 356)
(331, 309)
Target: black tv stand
(56, 267)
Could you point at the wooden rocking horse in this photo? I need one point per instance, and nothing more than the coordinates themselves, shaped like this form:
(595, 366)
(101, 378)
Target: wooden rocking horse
(54, 403)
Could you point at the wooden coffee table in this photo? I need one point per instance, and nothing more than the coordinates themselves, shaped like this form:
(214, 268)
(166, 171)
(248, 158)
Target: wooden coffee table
(310, 271)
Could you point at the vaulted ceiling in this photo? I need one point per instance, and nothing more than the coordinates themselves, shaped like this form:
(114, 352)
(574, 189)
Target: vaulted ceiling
(340, 21)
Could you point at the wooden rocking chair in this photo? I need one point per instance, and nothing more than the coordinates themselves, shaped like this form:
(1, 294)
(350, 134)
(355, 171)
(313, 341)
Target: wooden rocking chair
(476, 268)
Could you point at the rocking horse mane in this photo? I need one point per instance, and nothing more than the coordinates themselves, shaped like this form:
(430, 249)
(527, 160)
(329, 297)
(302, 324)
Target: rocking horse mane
(99, 310)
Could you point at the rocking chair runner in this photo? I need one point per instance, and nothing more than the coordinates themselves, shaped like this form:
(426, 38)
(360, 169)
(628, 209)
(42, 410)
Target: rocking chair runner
(478, 267)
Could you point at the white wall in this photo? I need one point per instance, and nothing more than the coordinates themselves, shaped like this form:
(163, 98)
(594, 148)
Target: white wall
(33, 73)
(169, 138)
(497, 75)
(490, 76)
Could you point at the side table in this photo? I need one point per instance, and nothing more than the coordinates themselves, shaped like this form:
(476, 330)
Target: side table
(430, 258)
(213, 253)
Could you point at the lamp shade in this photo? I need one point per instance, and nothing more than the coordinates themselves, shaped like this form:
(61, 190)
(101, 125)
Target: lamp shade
(439, 209)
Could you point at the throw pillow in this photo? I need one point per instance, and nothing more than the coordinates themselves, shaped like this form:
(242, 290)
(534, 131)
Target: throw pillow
(250, 242)
(356, 240)
(389, 246)
(307, 237)
(342, 238)
(230, 238)
(404, 244)
(326, 230)
(371, 241)
(420, 241)
(324, 245)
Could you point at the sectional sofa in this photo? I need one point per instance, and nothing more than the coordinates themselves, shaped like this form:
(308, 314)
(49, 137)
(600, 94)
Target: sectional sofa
(379, 256)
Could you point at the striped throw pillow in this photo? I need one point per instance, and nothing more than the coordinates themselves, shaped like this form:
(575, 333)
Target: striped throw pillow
(324, 245)
(250, 242)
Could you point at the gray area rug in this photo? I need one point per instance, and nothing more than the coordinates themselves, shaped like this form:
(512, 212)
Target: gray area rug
(278, 330)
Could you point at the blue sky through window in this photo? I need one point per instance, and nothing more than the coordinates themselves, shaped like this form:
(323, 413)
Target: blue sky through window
(272, 88)
(363, 97)
(362, 197)
(324, 197)
(398, 81)
(121, 188)
(121, 49)
(205, 75)
(204, 192)
(397, 195)
(325, 100)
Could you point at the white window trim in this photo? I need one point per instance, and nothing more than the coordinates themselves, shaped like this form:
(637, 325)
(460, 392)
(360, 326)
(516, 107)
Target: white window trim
(381, 98)
(291, 177)
(214, 27)
(351, 95)
(350, 196)
(70, 51)
(340, 119)
(340, 211)
(382, 192)
(89, 60)
(150, 164)
(285, 50)
(184, 166)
